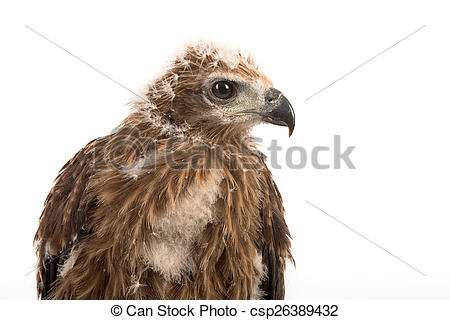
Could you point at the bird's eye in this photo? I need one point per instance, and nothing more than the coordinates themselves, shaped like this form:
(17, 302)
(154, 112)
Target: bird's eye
(223, 89)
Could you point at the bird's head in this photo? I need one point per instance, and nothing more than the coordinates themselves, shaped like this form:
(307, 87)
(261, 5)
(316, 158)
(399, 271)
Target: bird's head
(218, 93)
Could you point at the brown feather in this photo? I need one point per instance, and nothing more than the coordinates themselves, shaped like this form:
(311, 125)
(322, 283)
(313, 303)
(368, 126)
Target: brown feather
(113, 192)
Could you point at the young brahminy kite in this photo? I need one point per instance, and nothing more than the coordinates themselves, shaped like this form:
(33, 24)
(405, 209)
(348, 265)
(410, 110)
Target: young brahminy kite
(177, 202)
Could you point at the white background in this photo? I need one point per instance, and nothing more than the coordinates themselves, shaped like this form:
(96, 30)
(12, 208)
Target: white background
(394, 110)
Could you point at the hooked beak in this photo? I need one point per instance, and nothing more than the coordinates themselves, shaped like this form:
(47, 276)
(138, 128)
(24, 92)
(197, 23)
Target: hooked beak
(276, 110)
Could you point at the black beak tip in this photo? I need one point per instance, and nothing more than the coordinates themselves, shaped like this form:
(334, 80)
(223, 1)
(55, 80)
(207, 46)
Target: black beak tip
(291, 130)
(289, 117)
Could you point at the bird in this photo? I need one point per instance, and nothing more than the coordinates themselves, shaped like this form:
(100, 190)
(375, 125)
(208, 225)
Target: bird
(177, 202)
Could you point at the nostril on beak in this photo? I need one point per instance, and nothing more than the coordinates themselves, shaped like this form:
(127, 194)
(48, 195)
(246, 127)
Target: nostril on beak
(272, 95)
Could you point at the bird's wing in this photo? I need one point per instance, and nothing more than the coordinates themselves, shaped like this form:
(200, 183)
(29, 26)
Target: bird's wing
(275, 247)
(61, 222)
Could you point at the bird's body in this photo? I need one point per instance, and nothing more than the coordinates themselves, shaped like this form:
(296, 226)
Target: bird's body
(176, 203)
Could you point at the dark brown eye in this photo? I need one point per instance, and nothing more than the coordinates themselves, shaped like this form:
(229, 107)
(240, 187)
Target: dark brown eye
(223, 89)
